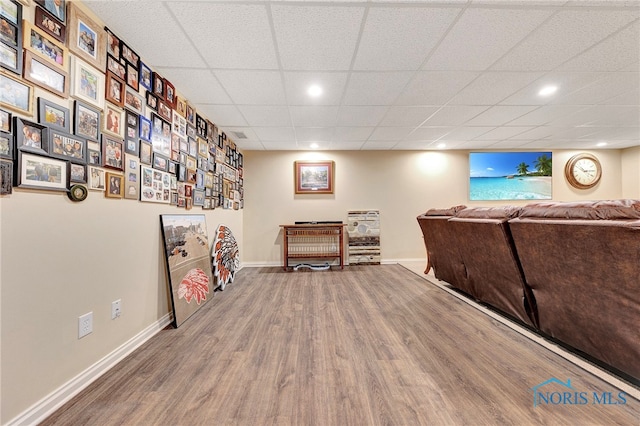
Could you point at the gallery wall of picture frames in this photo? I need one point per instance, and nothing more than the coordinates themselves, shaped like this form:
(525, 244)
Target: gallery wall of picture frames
(81, 113)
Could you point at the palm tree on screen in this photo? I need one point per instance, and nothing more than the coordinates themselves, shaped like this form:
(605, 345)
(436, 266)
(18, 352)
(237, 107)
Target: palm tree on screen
(523, 168)
(543, 165)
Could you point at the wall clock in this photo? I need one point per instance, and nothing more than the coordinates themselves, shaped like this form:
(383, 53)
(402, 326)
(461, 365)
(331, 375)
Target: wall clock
(583, 171)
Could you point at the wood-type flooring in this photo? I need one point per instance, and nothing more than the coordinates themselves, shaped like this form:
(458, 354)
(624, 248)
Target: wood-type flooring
(367, 345)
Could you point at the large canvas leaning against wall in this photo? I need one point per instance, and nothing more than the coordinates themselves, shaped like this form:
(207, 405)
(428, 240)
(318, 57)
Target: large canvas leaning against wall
(188, 263)
(510, 176)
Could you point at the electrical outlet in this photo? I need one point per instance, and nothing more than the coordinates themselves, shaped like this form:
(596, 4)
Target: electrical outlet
(115, 309)
(85, 325)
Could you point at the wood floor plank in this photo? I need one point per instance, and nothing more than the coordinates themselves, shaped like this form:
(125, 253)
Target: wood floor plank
(367, 345)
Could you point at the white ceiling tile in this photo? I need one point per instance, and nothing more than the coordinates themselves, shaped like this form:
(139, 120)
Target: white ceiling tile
(508, 144)
(181, 78)
(628, 98)
(565, 35)
(346, 145)
(390, 133)
(297, 83)
(427, 133)
(466, 144)
(222, 115)
(499, 115)
(493, 87)
(615, 53)
(253, 87)
(544, 115)
(465, 133)
(125, 21)
(407, 116)
(314, 116)
(360, 115)
(250, 145)
(617, 133)
(235, 133)
(280, 146)
(352, 133)
(401, 38)
(566, 82)
(434, 87)
(271, 134)
(454, 115)
(614, 84)
(266, 115)
(501, 133)
(314, 134)
(414, 145)
(375, 88)
(220, 33)
(316, 37)
(482, 36)
(379, 145)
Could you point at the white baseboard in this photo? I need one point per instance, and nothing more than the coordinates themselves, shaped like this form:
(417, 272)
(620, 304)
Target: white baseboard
(47, 405)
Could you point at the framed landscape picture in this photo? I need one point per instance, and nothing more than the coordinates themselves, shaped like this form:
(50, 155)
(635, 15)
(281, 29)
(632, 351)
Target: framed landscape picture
(53, 115)
(38, 172)
(187, 255)
(16, 95)
(37, 71)
(314, 177)
(510, 176)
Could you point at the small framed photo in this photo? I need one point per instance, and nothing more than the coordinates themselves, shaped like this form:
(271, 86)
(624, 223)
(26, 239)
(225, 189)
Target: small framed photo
(96, 179)
(314, 177)
(11, 58)
(38, 172)
(132, 77)
(112, 153)
(9, 33)
(203, 148)
(145, 128)
(113, 121)
(94, 156)
(53, 115)
(114, 89)
(158, 85)
(37, 71)
(86, 121)
(16, 95)
(131, 177)
(67, 147)
(129, 55)
(113, 185)
(55, 7)
(145, 153)
(160, 162)
(198, 197)
(164, 111)
(77, 173)
(30, 136)
(152, 101)
(114, 66)
(6, 177)
(11, 11)
(6, 146)
(47, 23)
(88, 83)
(113, 44)
(181, 107)
(201, 126)
(191, 115)
(179, 124)
(45, 46)
(146, 76)
(133, 101)
(170, 94)
(86, 38)
(5, 121)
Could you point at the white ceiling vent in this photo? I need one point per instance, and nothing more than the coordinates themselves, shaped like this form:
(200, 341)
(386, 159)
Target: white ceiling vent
(239, 135)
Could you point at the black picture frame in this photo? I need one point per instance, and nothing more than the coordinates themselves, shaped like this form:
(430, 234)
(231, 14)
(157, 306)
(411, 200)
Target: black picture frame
(11, 38)
(145, 153)
(160, 162)
(112, 153)
(152, 101)
(59, 13)
(5, 121)
(30, 136)
(86, 121)
(77, 173)
(201, 126)
(41, 172)
(116, 67)
(6, 177)
(6, 145)
(129, 55)
(66, 146)
(158, 85)
(11, 57)
(53, 115)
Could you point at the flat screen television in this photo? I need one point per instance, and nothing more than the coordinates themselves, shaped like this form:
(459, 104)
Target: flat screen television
(510, 176)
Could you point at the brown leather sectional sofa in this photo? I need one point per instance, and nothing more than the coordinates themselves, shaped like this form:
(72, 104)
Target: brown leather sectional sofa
(569, 270)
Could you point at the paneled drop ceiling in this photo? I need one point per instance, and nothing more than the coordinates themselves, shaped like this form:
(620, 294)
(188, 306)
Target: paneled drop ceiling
(401, 75)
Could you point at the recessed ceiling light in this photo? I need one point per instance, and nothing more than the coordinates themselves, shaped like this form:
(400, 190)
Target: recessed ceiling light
(601, 144)
(548, 90)
(442, 145)
(314, 146)
(314, 90)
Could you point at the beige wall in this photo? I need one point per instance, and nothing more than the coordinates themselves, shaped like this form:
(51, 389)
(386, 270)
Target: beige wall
(401, 184)
(631, 173)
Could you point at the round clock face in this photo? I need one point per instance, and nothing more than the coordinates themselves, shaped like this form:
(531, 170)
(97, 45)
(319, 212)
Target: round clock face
(583, 171)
